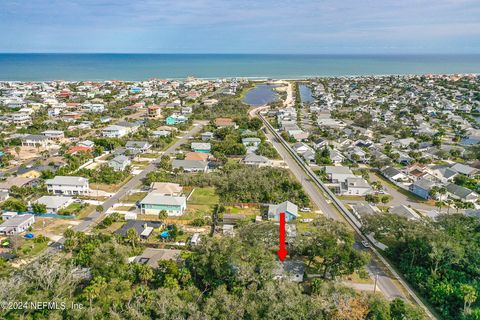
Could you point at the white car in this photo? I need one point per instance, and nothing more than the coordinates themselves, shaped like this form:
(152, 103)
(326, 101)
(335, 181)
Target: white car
(305, 209)
(365, 244)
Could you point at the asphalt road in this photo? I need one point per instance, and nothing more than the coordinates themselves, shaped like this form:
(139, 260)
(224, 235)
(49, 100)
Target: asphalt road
(136, 180)
(384, 282)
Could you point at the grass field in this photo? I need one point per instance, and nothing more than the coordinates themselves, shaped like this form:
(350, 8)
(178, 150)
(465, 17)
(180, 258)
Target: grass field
(203, 196)
(134, 197)
(109, 187)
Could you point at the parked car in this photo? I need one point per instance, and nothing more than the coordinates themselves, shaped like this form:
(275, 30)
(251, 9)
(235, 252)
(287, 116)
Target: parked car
(365, 244)
(305, 209)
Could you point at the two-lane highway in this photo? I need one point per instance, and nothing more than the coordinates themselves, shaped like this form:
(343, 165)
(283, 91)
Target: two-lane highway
(311, 185)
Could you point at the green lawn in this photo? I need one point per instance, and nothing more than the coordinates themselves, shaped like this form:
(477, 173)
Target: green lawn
(85, 212)
(134, 197)
(203, 196)
(30, 248)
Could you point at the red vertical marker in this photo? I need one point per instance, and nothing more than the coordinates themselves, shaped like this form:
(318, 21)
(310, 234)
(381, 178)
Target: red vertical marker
(282, 252)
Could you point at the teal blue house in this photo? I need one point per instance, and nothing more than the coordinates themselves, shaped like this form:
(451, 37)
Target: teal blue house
(154, 203)
(290, 209)
(201, 147)
(174, 119)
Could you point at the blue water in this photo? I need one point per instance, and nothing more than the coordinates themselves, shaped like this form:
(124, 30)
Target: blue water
(24, 67)
(305, 93)
(261, 94)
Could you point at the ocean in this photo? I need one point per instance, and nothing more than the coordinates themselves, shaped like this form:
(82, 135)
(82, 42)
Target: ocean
(36, 67)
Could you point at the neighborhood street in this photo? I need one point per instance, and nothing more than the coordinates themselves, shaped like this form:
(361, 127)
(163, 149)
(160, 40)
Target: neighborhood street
(136, 180)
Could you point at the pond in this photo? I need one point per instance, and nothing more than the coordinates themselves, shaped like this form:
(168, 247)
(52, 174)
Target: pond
(261, 94)
(305, 93)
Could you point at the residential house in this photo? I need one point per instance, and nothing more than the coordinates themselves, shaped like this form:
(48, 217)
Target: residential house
(256, 160)
(405, 212)
(204, 147)
(363, 210)
(152, 256)
(461, 193)
(137, 146)
(464, 169)
(199, 156)
(154, 111)
(175, 119)
(154, 202)
(290, 209)
(393, 174)
(68, 185)
(18, 182)
(207, 136)
(422, 188)
(114, 131)
(224, 122)
(34, 172)
(355, 186)
(17, 224)
(320, 144)
(167, 188)
(292, 271)
(143, 228)
(54, 203)
(190, 165)
(337, 174)
(251, 144)
(35, 140)
(119, 163)
(54, 134)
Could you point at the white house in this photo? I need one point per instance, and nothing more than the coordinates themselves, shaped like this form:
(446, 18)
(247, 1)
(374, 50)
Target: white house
(55, 203)
(17, 224)
(114, 131)
(68, 185)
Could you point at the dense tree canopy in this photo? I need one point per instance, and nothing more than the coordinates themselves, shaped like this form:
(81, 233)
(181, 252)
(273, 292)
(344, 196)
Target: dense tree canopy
(442, 259)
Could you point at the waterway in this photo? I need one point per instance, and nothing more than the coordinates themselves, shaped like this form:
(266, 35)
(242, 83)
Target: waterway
(261, 94)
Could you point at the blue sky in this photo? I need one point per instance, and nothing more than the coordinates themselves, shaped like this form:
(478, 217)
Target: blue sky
(243, 26)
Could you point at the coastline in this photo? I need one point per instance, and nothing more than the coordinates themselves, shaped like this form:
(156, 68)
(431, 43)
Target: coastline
(261, 67)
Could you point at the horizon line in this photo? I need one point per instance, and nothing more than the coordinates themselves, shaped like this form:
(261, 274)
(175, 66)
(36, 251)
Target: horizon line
(251, 53)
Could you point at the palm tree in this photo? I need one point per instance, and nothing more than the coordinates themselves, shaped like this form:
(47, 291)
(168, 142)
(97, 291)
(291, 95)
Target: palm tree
(469, 297)
(439, 204)
(162, 215)
(17, 151)
(132, 236)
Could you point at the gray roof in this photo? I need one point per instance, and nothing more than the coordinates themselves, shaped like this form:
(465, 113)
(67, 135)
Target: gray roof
(189, 164)
(15, 221)
(285, 206)
(459, 191)
(424, 184)
(255, 158)
(138, 225)
(463, 169)
(405, 212)
(201, 145)
(158, 198)
(54, 201)
(68, 181)
(151, 256)
(136, 144)
(337, 169)
(391, 172)
(120, 159)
